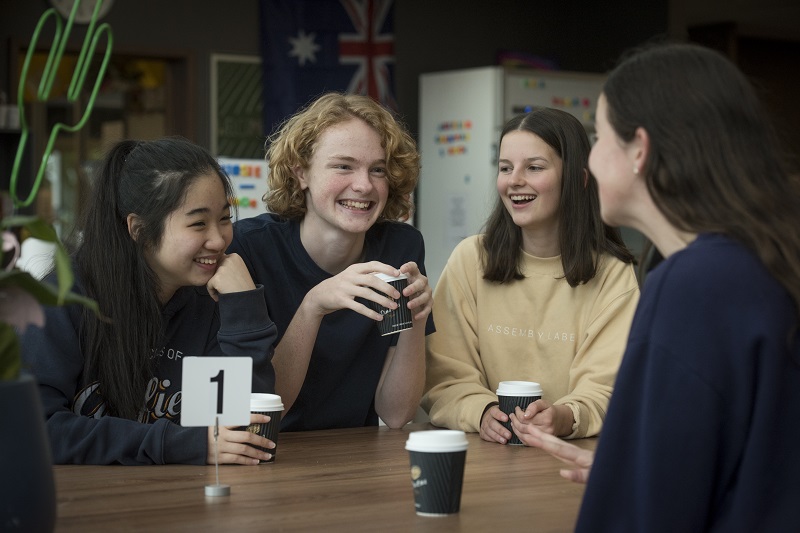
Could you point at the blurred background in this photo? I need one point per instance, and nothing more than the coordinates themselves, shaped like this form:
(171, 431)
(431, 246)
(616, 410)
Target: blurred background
(172, 59)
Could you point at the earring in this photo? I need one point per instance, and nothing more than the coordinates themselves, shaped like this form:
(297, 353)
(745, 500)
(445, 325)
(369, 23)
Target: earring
(635, 170)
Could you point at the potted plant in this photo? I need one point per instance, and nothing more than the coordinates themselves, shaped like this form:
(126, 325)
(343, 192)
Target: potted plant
(27, 494)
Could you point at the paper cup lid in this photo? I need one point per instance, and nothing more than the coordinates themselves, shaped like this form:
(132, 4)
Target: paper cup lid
(519, 388)
(262, 402)
(437, 441)
(387, 278)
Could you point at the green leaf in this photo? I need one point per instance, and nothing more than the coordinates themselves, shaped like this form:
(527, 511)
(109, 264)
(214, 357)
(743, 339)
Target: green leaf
(40, 229)
(9, 353)
(18, 221)
(44, 293)
(64, 274)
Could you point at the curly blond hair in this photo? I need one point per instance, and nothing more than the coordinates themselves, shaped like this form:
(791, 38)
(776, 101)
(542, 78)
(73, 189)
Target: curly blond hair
(293, 145)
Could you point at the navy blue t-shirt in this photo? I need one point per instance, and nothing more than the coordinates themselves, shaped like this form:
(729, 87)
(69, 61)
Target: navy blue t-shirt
(349, 353)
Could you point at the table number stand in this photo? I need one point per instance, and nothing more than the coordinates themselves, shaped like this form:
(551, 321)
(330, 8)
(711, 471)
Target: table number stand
(216, 389)
(217, 489)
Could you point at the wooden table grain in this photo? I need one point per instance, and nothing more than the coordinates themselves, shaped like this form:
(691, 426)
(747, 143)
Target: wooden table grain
(334, 480)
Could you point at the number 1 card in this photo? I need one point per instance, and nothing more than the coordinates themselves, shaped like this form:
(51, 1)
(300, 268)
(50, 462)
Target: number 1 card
(216, 387)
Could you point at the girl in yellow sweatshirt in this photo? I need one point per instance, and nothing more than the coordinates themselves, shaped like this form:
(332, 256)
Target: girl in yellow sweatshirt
(546, 294)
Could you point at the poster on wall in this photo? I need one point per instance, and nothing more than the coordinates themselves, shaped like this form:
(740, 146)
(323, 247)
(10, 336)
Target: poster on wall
(249, 179)
(236, 106)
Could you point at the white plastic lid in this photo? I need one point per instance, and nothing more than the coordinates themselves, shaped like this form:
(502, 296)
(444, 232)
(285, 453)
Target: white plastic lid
(519, 388)
(437, 441)
(264, 403)
(388, 278)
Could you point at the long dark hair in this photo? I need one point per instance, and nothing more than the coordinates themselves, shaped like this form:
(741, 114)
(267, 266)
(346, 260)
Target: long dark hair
(582, 235)
(149, 179)
(714, 163)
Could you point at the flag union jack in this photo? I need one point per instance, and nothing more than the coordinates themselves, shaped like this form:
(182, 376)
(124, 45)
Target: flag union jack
(369, 49)
(313, 46)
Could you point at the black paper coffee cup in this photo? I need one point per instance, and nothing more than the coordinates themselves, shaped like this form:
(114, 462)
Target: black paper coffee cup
(394, 320)
(437, 470)
(513, 394)
(272, 406)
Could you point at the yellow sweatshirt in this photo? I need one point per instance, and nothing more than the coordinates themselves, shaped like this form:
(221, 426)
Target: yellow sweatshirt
(568, 339)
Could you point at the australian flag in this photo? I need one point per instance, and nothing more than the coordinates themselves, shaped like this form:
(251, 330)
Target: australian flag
(314, 46)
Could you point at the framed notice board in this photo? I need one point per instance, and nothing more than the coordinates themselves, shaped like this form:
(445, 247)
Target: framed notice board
(236, 103)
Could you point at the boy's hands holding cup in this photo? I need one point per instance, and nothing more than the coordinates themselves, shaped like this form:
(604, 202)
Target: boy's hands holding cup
(356, 281)
(411, 299)
(418, 292)
(350, 288)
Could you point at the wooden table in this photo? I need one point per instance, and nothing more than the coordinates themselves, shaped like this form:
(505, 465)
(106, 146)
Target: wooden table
(343, 479)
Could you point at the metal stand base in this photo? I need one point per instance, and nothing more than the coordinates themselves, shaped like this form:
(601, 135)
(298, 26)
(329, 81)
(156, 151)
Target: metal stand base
(218, 490)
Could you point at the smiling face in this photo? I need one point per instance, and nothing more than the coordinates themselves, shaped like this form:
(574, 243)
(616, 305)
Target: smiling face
(196, 235)
(529, 184)
(346, 183)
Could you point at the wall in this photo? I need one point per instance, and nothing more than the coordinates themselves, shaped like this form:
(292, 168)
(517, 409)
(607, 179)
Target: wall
(199, 27)
(777, 19)
(578, 35)
(430, 35)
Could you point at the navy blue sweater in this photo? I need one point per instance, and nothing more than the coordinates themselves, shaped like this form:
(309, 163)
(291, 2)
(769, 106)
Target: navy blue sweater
(702, 431)
(195, 325)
